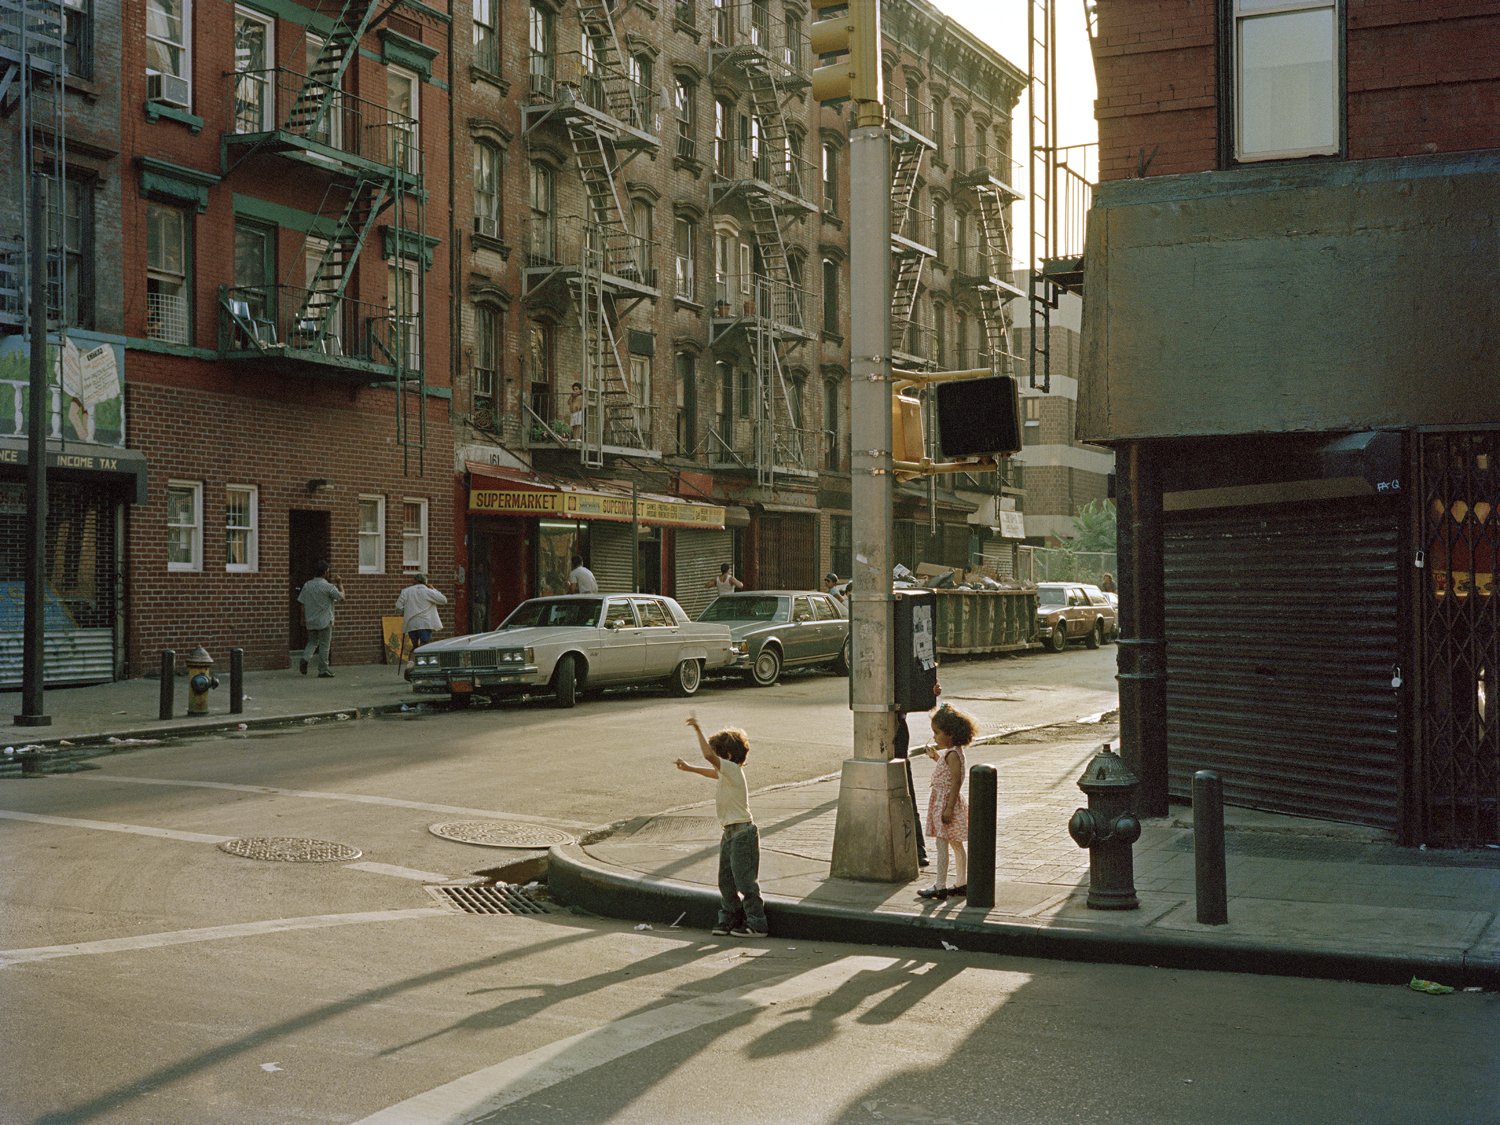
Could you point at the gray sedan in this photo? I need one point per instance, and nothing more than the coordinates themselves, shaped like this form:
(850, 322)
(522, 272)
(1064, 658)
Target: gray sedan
(576, 644)
(776, 629)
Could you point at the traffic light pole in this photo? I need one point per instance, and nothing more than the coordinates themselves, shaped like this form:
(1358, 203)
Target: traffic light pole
(874, 836)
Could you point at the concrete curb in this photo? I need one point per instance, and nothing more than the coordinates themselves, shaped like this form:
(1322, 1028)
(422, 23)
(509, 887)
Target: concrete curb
(575, 879)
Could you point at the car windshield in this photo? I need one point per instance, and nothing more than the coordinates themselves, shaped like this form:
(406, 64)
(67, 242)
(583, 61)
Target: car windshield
(554, 614)
(754, 608)
(1051, 596)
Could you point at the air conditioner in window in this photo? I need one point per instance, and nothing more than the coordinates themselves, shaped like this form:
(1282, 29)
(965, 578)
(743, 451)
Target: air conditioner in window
(487, 226)
(167, 89)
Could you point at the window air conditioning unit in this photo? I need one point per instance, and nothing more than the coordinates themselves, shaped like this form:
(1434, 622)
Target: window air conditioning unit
(167, 89)
(487, 226)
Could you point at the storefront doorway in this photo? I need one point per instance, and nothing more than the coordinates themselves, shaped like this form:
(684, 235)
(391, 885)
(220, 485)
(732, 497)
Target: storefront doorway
(308, 542)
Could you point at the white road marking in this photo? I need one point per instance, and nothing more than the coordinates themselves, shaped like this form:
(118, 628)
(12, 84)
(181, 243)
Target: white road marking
(318, 794)
(112, 826)
(399, 872)
(494, 1087)
(213, 933)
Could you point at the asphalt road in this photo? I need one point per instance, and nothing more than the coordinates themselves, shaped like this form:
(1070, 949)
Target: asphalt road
(146, 975)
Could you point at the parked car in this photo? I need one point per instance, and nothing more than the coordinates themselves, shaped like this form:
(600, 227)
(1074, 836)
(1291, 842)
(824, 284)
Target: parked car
(776, 629)
(1065, 612)
(576, 644)
(1100, 597)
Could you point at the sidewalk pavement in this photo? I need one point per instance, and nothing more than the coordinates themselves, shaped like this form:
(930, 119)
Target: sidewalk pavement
(1305, 897)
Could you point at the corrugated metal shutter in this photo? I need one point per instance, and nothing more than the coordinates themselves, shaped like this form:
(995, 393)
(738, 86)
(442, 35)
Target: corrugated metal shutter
(612, 556)
(1281, 638)
(699, 554)
(787, 558)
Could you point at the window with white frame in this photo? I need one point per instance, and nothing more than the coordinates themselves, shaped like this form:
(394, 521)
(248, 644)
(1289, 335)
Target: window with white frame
(640, 389)
(687, 239)
(328, 127)
(830, 179)
(746, 270)
(486, 356)
(642, 220)
(169, 35)
(167, 308)
(403, 99)
(486, 189)
(687, 125)
(543, 230)
(406, 323)
(78, 37)
(486, 36)
(1286, 67)
(254, 72)
(241, 528)
(184, 525)
(372, 534)
(413, 534)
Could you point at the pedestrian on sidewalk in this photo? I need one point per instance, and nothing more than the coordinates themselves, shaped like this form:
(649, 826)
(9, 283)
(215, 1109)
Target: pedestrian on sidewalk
(742, 911)
(318, 597)
(581, 580)
(417, 605)
(947, 811)
(901, 748)
(726, 583)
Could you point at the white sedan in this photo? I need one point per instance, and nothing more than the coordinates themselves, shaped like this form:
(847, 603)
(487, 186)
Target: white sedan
(576, 644)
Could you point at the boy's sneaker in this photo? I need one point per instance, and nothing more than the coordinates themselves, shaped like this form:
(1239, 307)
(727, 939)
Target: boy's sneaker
(720, 931)
(746, 931)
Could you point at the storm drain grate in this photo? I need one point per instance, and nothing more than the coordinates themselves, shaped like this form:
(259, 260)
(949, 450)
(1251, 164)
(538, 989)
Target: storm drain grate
(290, 849)
(487, 898)
(500, 834)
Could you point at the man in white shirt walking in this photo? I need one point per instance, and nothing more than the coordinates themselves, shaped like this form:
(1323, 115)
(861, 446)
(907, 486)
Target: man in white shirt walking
(581, 580)
(417, 605)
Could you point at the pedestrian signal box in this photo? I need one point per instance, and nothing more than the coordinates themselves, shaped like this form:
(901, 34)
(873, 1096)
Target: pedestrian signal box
(979, 417)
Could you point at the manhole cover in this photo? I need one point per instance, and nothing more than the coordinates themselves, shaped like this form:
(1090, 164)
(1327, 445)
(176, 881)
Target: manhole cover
(289, 849)
(488, 898)
(500, 834)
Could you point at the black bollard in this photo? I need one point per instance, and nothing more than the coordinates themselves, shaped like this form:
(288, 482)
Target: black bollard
(168, 670)
(982, 785)
(236, 681)
(1208, 848)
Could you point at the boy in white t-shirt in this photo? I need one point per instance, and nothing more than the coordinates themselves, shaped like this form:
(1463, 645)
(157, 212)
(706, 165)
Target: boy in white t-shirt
(742, 912)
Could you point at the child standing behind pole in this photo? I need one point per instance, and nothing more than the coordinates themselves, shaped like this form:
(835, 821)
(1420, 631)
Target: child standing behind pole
(947, 811)
(742, 912)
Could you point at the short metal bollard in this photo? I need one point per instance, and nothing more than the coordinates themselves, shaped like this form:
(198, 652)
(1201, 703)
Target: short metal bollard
(168, 670)
(236, 681)
(982, 801)
(1208, 848)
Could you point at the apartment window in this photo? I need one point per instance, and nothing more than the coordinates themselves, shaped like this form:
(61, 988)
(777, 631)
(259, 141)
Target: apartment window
(328, 127)
(486, 36)
(939, 231)
(184, 525)
(254, 71)
(937, 128)
(830, 179)
(687, 123)
(168, 38)
(413, 534)
(403, 99)
(830, 297)
(746, 272)
(686, 238)
(723, 153)
(241, 528)
(687, 402)
(539, 31)
(372, 534)
(743, 132)
(959, 160)
(726, 400)
(639, 69)
(486, 356)
(831, 426)
(325, 312)
(543, 233)
(793, 56)
(841, 545)
(746, 384)
(795, 311)
(640, 379)
(255, 272)
(406, 331)
(78, 37)
(1286, 78)
(70, 220)
(486, 189)
(1031, 420)
(167, 262)
(642, 221)
(539, 370)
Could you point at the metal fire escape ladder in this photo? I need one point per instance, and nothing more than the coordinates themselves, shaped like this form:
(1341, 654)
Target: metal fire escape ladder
(995, 292)
(910, 260)
(606, 211)
(612, 414)
(1042, 295)
(615, 85)
(368, 196)
(318, 99)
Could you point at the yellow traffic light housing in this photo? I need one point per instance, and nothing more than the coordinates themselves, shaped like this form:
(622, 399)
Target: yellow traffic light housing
(849, 29)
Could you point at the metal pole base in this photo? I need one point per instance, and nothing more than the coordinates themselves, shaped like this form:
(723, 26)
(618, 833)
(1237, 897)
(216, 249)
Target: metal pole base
(33, 720)
(874, 838)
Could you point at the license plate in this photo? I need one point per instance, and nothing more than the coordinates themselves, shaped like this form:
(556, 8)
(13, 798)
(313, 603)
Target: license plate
(460, 686)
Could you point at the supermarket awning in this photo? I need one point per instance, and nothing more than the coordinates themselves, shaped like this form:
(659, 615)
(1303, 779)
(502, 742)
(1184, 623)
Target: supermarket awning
(499, 492)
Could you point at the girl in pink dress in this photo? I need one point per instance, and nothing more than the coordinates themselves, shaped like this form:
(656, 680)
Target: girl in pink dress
(947, 811)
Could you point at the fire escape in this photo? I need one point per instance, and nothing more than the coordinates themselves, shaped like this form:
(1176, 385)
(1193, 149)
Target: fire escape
(753, 51)
(599, 264)
(370, 159)
(33, 53)
(985, 261)
(912, 237)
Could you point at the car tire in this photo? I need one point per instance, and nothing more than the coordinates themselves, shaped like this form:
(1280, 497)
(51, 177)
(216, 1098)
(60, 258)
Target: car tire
(459, 702)
(565, 682)
(1096, 635)
(767, 667)
(1058, 641)
(845, 662)
(686, 677)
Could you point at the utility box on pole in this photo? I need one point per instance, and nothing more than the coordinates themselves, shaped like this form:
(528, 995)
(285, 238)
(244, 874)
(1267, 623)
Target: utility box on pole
(915, 647)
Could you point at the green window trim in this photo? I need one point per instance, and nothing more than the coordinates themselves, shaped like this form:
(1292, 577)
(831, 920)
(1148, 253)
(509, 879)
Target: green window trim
(156, 111)
(399, 50)
(172, 183)
(428, 245)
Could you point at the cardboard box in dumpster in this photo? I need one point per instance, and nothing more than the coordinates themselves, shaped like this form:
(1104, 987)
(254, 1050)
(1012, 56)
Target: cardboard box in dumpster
(929, 573)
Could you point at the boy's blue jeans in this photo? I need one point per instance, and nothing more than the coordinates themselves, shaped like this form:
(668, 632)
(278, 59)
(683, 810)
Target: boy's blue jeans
(740, 903)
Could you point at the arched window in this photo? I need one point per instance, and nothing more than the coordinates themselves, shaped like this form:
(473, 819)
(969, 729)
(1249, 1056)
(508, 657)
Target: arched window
(487, 189)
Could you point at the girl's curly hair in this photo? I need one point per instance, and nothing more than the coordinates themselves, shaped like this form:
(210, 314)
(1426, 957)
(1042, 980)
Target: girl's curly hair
(958, 726)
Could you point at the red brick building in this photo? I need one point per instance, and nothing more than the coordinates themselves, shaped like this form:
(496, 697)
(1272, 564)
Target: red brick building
(285, 262)
(1288, 341)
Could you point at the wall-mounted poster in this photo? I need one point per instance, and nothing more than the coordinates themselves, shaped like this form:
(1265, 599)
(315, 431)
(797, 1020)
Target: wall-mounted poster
(85, 374)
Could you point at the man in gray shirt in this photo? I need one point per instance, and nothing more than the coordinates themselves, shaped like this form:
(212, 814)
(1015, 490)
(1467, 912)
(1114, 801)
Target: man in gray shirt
(318, 598)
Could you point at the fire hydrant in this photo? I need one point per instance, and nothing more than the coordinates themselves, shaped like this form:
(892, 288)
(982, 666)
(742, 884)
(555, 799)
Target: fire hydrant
(201, 680)
(1108, 828)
